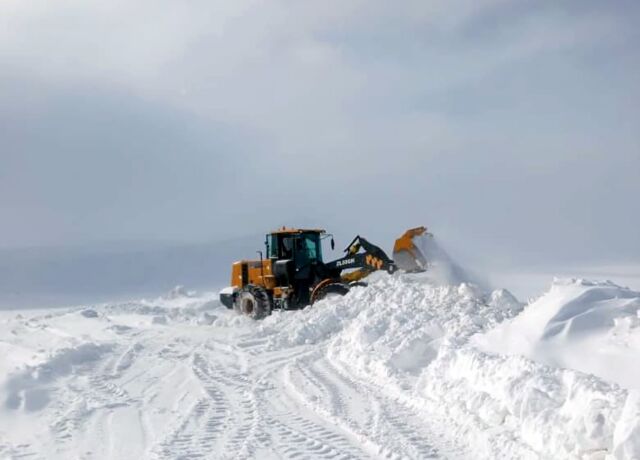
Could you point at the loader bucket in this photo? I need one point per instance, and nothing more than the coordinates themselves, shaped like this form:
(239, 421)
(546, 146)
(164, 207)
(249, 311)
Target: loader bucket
(407, 255)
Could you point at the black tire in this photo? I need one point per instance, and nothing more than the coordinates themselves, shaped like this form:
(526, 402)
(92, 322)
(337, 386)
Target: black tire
(330, 289)
(252, 301)
(226, 299)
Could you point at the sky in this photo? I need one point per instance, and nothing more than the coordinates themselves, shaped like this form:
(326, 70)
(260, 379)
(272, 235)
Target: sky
(510, 128)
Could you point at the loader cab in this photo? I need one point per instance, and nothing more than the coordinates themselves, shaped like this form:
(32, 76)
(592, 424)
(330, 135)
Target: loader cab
(296, 258)
(302, 246)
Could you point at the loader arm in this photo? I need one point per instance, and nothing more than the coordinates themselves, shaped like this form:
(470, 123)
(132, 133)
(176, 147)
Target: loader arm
(366, 257)
(363, 255)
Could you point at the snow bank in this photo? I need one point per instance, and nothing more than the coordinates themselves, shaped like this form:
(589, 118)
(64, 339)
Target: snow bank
(593, 327)
(477, 358)
(402, 323)
(558, 413)
(585, 326)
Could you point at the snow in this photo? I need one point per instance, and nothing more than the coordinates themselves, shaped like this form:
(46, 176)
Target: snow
(413, 366)
(528, 283)
(593, 327)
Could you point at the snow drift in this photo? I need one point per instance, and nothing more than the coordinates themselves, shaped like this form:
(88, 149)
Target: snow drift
(587, 326)
(593, 327)
(457, 349)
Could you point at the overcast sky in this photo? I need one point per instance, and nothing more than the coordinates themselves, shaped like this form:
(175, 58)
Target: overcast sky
(511, 128)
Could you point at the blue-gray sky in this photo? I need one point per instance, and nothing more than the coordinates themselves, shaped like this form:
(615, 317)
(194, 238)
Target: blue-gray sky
(509, 127)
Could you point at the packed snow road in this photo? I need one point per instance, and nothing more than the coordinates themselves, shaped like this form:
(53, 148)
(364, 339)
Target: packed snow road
(404, 368)
(142, 381)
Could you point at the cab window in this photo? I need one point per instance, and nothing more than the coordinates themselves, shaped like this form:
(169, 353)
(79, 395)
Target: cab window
(308, 247)
(273, 246)
(286, 251)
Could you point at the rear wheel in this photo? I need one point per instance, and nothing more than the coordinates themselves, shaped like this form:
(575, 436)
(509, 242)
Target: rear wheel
(329, 289)
(252, 301)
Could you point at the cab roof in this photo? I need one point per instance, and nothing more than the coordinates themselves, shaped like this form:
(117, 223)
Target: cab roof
(287, 230)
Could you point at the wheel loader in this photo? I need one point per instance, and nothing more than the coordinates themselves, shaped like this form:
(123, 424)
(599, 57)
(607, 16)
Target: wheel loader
(291, 274)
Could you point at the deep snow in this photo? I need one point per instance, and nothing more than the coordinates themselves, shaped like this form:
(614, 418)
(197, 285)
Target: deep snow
(593, 327)
(412, 366)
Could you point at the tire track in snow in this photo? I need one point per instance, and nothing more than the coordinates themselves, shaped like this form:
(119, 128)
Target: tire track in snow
(379, 422)
(224, 421)
(297, 390)
(319, 415)
(85, 399)
(199, 430)
(414, 425)
(248, 433)
(283, 424)
(19, 451)
(304, 439)
(394, 426)
(234, 396)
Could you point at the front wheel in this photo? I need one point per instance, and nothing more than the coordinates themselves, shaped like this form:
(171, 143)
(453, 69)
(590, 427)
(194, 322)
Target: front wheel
(252, 301)
(329, 289)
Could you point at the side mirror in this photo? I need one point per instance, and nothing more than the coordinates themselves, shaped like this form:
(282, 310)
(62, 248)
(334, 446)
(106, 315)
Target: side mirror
(333, 244)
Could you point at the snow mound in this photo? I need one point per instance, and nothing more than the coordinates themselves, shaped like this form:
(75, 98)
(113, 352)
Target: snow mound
(424, 342)
(582, 340)
(593, 327)
(410, 302)
(403, 322)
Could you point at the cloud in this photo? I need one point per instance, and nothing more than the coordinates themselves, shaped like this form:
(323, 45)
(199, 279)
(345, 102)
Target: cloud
(204, 119)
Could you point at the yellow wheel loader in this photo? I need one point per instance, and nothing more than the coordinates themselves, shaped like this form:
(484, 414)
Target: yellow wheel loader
(292, 274)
